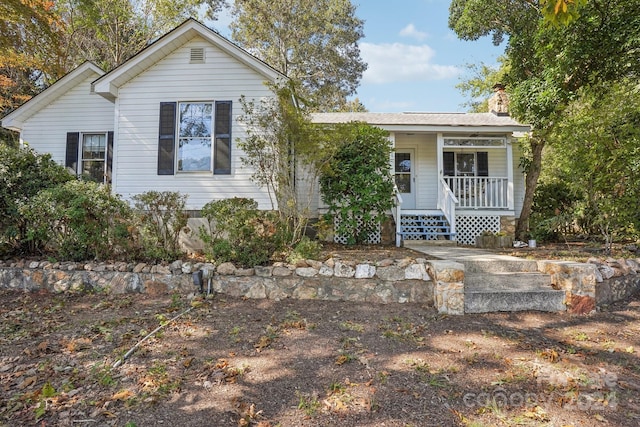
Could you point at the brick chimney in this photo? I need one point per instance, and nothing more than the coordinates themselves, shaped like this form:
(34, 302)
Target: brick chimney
(499, 102)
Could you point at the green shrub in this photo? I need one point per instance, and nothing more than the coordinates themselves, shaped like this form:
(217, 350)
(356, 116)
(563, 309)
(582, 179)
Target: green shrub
(160, 217)
(305, 249)
(79, 220)
(240, 233)
(553, 211)
(357, 183)
(23, 173)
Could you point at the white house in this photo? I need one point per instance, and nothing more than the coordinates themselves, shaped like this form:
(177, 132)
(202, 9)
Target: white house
(167, 120)
(457, 174)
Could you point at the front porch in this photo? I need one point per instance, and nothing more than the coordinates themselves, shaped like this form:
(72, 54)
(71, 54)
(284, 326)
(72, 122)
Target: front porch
(453, 186)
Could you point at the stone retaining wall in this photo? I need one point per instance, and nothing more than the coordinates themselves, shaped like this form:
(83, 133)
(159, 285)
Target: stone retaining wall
(594, 283)
(387, 281)
(438, 283)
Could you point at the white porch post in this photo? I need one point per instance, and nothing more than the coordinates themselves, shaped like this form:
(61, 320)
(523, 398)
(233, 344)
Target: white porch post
(510, 196)
(439, 156)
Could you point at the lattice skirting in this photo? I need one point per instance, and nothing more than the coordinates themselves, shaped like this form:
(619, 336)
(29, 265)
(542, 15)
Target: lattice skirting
(375, 237)
(470, 226)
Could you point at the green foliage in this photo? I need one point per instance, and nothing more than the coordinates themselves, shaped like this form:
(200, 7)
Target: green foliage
(240, 233)
(561, 12)
(599, 147)
(357, 184)
(305, 249)
(78, 220)
(312, 42)
(22, 174)
(554, 207)
(160, 218)
(285, 151)
(479, 87)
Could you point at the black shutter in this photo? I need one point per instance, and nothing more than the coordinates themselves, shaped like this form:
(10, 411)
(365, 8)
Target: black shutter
(109, 157)
(483, 163)
(448, 163)
(222, 140)
(71, 157)
(167, 138)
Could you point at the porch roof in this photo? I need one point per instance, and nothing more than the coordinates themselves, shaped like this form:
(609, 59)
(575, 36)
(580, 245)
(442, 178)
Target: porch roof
(438, 122)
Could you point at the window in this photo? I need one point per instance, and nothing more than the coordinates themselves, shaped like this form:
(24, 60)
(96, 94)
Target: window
(466, 163)
(93, 156)
(90, 154)
(195, 138)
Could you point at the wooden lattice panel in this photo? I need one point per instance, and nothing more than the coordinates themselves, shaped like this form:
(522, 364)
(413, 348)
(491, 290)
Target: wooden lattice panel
(375, 237)
(470, 226)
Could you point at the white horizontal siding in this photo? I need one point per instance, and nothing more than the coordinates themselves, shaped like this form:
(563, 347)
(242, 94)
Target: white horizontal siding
(174, 79)
(78, 110)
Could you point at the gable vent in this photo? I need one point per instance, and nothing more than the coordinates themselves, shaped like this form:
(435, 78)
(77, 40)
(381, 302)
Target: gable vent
(197, 55)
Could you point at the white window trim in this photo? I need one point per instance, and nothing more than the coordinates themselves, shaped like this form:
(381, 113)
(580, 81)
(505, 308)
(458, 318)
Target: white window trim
(209, 171)
(503, 141)
(81, 158)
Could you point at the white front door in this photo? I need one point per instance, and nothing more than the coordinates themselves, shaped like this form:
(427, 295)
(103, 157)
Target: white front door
(404, 176)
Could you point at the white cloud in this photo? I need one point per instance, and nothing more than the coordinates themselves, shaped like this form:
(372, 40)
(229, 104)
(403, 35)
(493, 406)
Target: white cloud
(397, 62)
(411, 31)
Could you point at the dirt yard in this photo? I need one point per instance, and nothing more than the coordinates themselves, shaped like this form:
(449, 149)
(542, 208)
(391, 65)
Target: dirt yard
(233, 362)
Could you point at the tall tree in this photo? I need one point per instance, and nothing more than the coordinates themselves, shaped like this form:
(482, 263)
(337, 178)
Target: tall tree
(108, 32)
(312, 42)
(29, 34)
(550, 64)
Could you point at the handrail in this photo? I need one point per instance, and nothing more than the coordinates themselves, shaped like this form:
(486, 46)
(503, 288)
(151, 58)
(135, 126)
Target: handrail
(396, 212)
(447, 204)
(479, 192)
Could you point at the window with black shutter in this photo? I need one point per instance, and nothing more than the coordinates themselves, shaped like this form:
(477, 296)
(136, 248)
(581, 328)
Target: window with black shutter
(222, 156)
(72, 149)
(195, 137)
(167, 138)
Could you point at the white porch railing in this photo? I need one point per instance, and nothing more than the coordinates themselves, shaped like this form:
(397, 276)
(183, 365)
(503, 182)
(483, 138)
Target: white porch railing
(476, 192)
(447, 204)
(396, 212)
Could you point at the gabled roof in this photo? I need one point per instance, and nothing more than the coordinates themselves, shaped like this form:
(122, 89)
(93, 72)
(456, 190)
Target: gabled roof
(108, 84)
(435, 122)
(16, 118)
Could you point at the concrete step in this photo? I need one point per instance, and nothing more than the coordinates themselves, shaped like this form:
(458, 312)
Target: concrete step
(499, 266)
(507, 281)
(491, 292)
(539, 300)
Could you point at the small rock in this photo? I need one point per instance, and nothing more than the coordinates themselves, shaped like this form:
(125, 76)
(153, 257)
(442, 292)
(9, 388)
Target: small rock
(139, 267)
(245, 272)
(365, 271)
(226, 269)
(187, 268)
(385, 262)
(306, 272)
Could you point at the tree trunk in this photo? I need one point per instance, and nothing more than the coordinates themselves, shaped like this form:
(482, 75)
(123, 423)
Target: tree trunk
(531, 181)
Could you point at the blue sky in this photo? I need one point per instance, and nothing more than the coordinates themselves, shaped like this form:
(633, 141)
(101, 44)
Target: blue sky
(414, 59)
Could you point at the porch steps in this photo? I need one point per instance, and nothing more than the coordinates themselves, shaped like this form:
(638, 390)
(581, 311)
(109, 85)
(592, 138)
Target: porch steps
(495, 282)
(510, 291)
(428, 225)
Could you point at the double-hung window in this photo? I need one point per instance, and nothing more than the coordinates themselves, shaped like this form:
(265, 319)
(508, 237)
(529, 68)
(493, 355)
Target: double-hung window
(195, 137)
(90, 155)
(94, 156)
